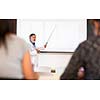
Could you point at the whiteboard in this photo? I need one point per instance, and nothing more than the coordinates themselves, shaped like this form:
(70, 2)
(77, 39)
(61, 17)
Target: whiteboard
(66, 35)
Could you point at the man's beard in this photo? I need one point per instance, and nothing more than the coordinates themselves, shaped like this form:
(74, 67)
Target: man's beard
(32, 41)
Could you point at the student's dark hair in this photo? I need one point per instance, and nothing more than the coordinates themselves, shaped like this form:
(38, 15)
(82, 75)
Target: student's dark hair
(4, 30)
(98, 20)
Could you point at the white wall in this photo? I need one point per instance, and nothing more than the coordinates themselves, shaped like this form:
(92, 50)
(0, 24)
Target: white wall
(54, 59)
(57, 61)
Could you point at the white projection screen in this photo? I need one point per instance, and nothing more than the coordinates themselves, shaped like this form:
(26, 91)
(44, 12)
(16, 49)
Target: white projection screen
(62, 35)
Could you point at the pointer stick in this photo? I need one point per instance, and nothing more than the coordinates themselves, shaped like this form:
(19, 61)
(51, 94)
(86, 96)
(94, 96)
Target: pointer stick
(50, 35)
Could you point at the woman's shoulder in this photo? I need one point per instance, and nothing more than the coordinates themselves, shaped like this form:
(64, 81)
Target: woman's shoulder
(15, 40)
(14, 37)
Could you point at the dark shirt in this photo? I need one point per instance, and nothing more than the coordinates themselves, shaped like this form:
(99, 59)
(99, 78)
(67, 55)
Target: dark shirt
(87, 55)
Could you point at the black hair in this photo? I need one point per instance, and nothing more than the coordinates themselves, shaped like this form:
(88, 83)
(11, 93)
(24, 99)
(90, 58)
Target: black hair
(4, 30)
(98, 20)
(31, 35)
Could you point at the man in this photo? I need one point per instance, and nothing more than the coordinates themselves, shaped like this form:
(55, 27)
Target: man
(34, 50)
(87, 55)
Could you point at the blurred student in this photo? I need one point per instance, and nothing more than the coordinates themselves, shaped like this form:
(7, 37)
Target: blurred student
(34, 50)
(15, 60)
(87, 55)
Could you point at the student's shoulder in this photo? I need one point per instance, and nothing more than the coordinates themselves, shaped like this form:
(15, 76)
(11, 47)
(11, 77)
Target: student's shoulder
(87, 42)
(83, 43)
(18, 40)
(86, 45)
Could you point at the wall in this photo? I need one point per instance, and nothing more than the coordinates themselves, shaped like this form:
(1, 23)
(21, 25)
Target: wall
(54, 59)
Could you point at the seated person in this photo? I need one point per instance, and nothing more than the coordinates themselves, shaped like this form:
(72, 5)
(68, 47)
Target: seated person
(87, 55)
(15, 61)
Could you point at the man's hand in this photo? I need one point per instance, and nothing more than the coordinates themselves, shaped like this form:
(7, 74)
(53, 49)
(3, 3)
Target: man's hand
(45, 45)
(38, 51)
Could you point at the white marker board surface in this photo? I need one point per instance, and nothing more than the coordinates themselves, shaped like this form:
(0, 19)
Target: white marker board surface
(65, 34)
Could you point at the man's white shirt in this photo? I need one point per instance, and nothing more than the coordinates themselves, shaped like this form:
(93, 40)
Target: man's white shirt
(34, 55)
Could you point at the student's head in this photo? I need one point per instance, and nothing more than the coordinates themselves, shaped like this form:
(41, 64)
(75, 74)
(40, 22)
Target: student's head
(96, 23)
(32, 37)
(4, 30)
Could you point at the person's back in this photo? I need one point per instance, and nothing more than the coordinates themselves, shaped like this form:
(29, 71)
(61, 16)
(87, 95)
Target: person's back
(92, 58)
(11, 58)
(15, 61)
(87, 55)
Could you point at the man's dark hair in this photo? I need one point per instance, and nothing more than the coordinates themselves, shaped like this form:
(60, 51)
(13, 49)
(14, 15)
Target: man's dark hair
(31, 35)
